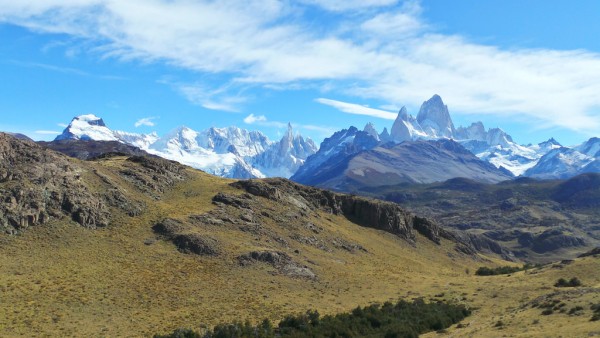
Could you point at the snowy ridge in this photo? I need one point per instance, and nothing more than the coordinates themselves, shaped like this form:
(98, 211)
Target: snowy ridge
(548, 159)
(229, 152)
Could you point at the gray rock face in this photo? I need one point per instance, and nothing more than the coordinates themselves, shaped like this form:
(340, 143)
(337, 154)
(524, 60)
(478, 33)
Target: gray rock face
(370, 129)
(380, 215)
(405, 127)
(435, 119)
(476, 131)
(186, 242)
(38, 184)
(280, 260)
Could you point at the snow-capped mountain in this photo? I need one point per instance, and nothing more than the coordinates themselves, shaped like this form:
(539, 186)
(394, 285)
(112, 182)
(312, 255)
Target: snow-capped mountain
(548, 159)
(333, 154)
(229, 152)
(87, 127)
(283, 158)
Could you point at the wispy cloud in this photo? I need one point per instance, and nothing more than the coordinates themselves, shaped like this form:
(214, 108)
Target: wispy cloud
(379, 49)
(214, 98)
(251, 119)
(62, 125)
(262, 120)
(344, 5)
(146, 121)
(64, 70)
(356, 109)
(47, 132)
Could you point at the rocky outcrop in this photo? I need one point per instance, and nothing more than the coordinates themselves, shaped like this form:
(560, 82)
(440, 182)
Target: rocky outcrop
(280, 260)
(366, 212)
(594, 252)
(153, 175)
(38, 184)
(186, 241)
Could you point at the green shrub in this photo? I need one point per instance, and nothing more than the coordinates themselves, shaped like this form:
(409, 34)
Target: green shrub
(403, 319)
(502, 270)
(575, 310)
(562, 283)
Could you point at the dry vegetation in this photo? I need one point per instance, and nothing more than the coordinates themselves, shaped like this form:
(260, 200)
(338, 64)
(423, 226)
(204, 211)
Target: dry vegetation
(61, 279)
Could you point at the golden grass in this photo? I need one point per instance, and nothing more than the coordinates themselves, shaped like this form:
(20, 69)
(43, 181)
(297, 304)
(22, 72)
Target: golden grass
(63, 280)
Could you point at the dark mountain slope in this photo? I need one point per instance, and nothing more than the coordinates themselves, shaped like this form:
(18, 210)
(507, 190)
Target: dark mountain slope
(537, 220)
(89, 149)
(407, 162)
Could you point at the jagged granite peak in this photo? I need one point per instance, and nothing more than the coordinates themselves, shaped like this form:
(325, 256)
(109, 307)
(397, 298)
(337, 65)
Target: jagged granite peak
(476, 131)
(87, 127)
(233, 139)
(551, 141)
(385, 135)
(370, 129)
(406, 128)
(497, 136)
(434, 118)
(283, 158)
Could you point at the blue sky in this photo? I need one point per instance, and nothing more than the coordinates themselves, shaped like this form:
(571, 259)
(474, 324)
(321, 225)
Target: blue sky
(529, 67)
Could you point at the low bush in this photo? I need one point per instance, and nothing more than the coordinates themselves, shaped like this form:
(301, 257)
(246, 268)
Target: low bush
(403, 319)
(573, 282)
(502, 270)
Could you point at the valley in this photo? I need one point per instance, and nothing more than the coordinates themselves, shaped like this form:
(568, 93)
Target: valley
(276, 248)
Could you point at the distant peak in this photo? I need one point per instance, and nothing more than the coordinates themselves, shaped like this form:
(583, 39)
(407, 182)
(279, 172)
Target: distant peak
(90, 119)
(290, 131)
(403, 114)
(436, 98)
(370, 129)
(551, 141)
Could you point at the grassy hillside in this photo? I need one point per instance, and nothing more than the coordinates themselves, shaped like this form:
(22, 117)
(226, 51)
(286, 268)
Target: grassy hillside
(125, 279)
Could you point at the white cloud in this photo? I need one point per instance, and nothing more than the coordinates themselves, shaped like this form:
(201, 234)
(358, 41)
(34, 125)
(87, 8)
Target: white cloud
(376, 49)
(208, 97)
(251, 119)
(356, 109)
(262, 120)
(63, 125)
(146, 121)
(344, 5)
(47, 132)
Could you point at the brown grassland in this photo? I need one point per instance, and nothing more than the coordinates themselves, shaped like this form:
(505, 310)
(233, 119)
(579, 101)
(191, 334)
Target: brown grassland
(60, 279)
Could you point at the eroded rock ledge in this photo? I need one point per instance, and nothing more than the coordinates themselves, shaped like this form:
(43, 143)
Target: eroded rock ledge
(366, 212)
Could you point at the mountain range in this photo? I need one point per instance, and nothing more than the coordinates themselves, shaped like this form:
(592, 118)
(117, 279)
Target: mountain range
(228, 152)
(423, 149)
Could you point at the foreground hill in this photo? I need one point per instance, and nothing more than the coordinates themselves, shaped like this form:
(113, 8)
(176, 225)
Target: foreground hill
(132, 246)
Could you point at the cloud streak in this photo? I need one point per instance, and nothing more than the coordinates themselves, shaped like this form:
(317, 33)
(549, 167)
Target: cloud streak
(262, 120)
(377, 50)
(356, 109)
(146, 121)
